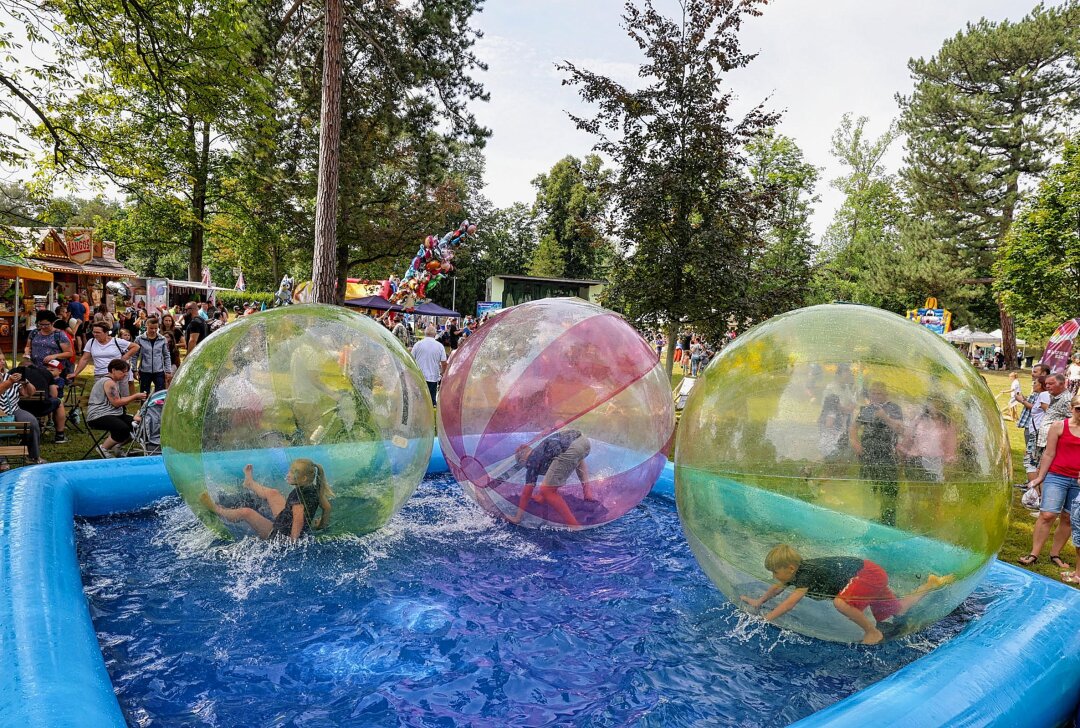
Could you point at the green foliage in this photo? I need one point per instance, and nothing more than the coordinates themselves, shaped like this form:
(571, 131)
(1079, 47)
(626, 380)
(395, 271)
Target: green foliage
(863, 236)
(571, 203)
(1037, 271)
(239, 298)
(986, 110)
(685, 215)
(781, 266)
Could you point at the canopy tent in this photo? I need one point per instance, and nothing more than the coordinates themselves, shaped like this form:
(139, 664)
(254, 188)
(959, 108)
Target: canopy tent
(380, 303)
(15, 267)
(434, 309)
(959, 336)
(377, 302)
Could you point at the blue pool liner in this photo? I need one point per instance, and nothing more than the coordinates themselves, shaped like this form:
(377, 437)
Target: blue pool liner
(1018, 664)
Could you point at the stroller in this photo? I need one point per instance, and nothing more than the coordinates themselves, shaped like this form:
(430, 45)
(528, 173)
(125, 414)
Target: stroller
(147, 436)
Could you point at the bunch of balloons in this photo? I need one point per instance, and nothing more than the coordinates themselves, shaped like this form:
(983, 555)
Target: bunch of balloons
(431, 264)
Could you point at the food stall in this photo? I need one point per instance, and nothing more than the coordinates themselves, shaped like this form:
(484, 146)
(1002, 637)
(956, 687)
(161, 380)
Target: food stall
(17, 276)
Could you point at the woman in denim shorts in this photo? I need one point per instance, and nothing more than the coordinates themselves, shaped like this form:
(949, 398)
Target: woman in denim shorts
(1056, 480)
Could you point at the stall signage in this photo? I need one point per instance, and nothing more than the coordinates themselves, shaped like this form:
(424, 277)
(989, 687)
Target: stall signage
(108, 250)
(483, 307)
(79, 244)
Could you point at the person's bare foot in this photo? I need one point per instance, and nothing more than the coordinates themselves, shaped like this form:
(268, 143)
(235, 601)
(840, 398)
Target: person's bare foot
(872, 637)
(936, 582)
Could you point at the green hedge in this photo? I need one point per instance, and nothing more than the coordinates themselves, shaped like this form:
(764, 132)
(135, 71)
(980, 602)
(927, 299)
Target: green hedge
(239, 298)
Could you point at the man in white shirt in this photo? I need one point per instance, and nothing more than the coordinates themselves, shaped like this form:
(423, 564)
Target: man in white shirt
(430, 356)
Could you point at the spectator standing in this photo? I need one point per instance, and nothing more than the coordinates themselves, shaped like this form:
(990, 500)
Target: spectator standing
(430, 356)
(101, 350)
(196, 329)
(401, 331)
(1059, 468)
(1072, 373)
(155, 358)
(873, 437)
(1033, 409)
(76, 308)
(47, 345)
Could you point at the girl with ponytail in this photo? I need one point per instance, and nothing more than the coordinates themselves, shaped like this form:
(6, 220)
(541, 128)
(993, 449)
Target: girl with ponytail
(293, 514)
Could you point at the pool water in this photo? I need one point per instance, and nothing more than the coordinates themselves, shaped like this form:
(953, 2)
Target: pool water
(449, 617)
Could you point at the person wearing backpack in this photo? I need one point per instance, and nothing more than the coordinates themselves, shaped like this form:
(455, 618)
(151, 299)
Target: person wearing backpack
(48, 344)
(102, 349)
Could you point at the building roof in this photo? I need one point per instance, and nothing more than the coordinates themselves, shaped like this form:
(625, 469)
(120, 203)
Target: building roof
(100, 267)
(550, 280)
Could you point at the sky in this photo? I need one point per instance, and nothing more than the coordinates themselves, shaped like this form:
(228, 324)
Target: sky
(817, 59)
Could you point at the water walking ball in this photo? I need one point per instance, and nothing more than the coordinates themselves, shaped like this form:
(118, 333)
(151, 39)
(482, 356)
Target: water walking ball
(313, 397)
(856, 446)
(563, 393)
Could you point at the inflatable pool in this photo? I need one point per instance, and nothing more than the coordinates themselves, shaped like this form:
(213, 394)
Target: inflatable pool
(1018, 664)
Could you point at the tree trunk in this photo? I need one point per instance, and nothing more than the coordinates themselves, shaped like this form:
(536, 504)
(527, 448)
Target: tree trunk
(1008, 334)
(198, 203)
(324, 264)
(669, 360)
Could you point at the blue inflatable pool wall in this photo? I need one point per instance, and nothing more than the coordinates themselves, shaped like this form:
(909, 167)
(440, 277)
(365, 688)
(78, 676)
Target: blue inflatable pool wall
(1019, 664)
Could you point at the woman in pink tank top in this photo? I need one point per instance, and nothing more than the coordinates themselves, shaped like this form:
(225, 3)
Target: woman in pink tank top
(1057, 483)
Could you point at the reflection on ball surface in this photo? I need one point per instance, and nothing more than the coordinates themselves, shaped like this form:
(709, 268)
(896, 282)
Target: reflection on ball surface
(563, 393)
(290, 389)
(847, 434)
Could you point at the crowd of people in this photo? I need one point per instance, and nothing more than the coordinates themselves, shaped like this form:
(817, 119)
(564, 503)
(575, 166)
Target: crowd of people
(692, 351)
(130, 346)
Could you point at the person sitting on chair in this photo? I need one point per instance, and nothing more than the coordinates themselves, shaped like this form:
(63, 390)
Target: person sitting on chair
(105, 408)
(45, 382)
(554, 458)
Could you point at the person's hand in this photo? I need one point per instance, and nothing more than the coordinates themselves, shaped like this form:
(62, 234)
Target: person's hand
(755, 603)
(880, 414)
(142, 396)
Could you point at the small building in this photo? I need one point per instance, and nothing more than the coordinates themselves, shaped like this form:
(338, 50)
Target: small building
(60, 262)
(511, 290)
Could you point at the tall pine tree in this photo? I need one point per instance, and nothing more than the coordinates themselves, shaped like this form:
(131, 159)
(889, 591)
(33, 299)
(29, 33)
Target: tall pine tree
(987, 110)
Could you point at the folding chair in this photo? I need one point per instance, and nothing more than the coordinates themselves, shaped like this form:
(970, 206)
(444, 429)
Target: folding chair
(14, 430)
(97, 438)
(73, 404)
(35, 399)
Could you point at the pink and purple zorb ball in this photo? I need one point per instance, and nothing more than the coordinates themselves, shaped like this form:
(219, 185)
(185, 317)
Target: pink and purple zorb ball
(559, 391)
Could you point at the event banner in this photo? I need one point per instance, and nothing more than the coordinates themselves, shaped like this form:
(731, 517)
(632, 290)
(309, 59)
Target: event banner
(483, 307)
(157, 295)
(1060, 347)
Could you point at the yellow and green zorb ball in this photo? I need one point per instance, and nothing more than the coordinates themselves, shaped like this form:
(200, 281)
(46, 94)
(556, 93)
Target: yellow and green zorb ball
(311, 383)
(844, 430)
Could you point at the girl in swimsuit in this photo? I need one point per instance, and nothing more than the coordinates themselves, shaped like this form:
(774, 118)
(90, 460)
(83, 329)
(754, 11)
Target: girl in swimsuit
(293, 514)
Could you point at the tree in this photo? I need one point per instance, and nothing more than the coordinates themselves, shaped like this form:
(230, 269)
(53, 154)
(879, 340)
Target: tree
(1037, 273)
(987, 110)
(864, 234)
(324, 276)
(685, 214)
(781, 265)
(165, 82)
(571, 205)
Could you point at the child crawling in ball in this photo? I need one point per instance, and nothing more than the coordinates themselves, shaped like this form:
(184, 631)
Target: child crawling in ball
(293, 514)
(853, 585)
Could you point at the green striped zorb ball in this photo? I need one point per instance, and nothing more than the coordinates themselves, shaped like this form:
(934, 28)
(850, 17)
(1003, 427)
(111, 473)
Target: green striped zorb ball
(844, 431)
(310, 383)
